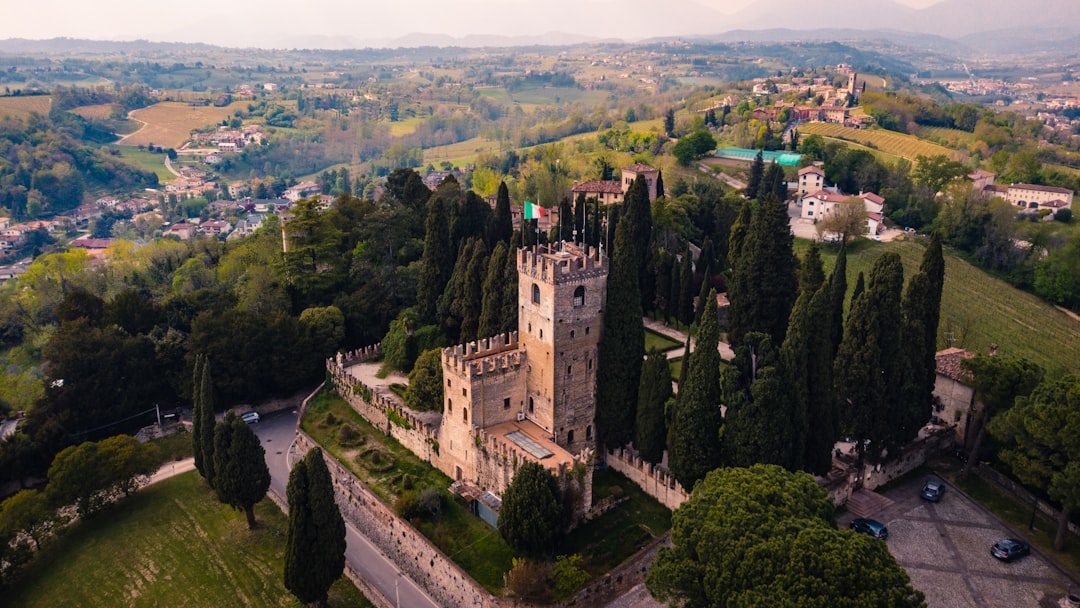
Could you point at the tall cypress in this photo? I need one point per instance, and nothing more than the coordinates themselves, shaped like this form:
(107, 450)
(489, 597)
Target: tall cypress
(811, 273)
(807, 359)
(509, 315)
(436, 263)
(764, 286)
(694, 435)
(501, 223)
(659, 183)
(204, 420)
(757, 172)
(650, 428)
(738, 233)
(622, 344)
(197, 419)
(703, 294)
(240, 461)
(769, 182)
(491, 307)
(315, 540)
(837, 293)
(471, 301)
(686, 290)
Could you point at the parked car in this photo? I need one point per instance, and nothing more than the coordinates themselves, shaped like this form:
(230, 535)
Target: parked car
(250, 417)
(932, 490)
(872, 527)
(1008, 549)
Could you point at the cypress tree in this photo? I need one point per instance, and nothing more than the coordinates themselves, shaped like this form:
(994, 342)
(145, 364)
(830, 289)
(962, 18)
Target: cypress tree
(860, 287)
(738, 233)
(564, 229)
(811, 273)
(491, 309)
(509, 315)
(437, 261)
(449, 310)
(773, 176)
(865, 372)
(837, 293)
(315, 540)
(650, 428)
(580, 214)
(757, 172)
(471, 301)
(204, 438)
(707, 257)
(703, 293)
(197, 418)
(531, 516)
(659, 183)
(694, 435)
(622, 345)
(501, 224)
(671, 305)
(807, 360)
(240, 461)
(686, 290)
(764, 285)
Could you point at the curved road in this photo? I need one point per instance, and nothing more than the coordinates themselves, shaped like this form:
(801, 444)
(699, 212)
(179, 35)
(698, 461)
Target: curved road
(277, 432)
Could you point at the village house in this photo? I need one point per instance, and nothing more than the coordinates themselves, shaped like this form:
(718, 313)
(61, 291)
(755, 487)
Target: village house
(954, 397)
(183, 230)
(301, 190)
(215, 227)
(606, 191)
(811, 179)
(821, 204)
(1028, 197)
(96, 248)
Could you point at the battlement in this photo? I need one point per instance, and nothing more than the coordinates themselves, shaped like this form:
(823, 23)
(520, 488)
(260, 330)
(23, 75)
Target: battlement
(496, 354)
(562, 263)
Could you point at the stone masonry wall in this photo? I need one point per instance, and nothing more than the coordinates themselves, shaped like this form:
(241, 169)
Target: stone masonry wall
(654, 480)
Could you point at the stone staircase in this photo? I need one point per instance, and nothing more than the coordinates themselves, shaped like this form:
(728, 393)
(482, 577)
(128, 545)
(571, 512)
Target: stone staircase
(864, 503)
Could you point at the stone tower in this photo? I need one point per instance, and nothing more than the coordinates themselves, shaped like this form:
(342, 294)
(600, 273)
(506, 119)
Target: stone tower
(562, 291)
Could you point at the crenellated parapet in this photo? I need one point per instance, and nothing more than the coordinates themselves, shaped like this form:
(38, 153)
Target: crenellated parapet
(495, 355)
(358, 355)
(567, 264)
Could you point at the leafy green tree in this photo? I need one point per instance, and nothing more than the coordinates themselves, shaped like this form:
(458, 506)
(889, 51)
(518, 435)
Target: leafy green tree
(998, 381)
(315, 539)
(933, 172)
(325, 327)
(764, 286)
(1041, 443)
(76, 476)
(425, 392)
(127, 463)
(763, 536)
(622, 345)
(694, 434)
(650, 428)
(437, 263)
(240, 462)
(27, 512)
(531, 515)
(1057, 277)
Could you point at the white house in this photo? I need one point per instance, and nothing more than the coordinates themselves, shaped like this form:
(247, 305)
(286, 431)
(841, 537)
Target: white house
(811, 179)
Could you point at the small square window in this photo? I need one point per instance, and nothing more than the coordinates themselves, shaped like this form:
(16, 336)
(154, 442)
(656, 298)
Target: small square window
(506, 403)
(464, 393)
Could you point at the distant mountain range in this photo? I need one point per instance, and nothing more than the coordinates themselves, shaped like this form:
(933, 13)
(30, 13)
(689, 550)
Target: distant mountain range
(958, 27)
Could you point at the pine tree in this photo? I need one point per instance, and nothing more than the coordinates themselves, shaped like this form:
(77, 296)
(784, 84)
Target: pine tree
(694, 435)
(764, 286)
(501, 224)
(449, 310)
(240, 461)
(622, 345)
(650, 428)
(757, 172)
(437, 261)
(491, 309)
(315, 540)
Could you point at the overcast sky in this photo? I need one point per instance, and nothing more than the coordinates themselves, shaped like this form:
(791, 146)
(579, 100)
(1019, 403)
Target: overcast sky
(276, 22)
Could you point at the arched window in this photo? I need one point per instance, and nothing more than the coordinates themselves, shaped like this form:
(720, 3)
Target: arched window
(530, 405)
(588, 432)
(450, 405)
(465, 414)
(536, 293)
(579, 296)
(570, 436)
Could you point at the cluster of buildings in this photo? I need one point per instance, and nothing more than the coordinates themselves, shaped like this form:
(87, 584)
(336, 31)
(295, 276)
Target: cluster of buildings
(228, 140)
(819, 201)
(1025, 197)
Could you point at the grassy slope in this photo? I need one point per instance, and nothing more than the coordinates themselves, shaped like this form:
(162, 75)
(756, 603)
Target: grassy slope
(169, 123)
(149, 161)
(21, 107)
(979, 309)
(172, 544)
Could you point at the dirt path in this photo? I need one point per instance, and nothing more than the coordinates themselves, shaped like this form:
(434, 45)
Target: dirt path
(130, 117)
(172, 469)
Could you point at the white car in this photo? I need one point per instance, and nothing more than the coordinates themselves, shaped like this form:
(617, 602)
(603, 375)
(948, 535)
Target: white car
(250, 417)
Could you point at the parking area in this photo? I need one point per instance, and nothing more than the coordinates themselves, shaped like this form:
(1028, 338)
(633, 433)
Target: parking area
(945, 549)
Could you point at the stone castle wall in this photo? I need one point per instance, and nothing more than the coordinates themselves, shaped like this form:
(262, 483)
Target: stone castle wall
(654, 480)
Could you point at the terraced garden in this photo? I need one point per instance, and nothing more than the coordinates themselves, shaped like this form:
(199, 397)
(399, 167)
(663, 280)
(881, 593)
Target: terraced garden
(889, 142)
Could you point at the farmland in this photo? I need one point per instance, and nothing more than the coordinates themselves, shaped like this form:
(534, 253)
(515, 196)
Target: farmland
(101, 110)
(169, 124)
(978, 310)
(460, 152)
(889, 142)
(144, 159)
(21, 107)
(171, 544)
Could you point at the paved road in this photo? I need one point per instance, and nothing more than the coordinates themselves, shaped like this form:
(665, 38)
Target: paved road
(277, 432)
(945, 549)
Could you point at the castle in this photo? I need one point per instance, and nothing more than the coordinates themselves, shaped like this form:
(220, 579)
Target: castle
(530, 394)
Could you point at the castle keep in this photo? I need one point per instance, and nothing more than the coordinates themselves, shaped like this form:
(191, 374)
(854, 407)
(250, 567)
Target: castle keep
(529, 394)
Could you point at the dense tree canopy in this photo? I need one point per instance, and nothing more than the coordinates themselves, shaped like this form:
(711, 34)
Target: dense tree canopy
(531, 515)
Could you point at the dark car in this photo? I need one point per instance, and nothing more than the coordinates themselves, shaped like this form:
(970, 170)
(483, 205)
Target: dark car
(1008, 549)
(870, 526)
(932, 490)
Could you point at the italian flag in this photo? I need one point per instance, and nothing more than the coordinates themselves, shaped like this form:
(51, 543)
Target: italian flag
(534, 211)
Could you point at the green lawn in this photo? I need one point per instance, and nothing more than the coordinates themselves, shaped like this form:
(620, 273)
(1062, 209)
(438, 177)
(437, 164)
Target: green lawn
(149, 161)
(659, 341)
(171, 544)
(977, 309)
(473, 545)
(608, 540)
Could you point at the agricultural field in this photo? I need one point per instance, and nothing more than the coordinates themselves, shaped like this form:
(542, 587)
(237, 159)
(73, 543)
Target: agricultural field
(21, 107)
(405, 127)
(171, 544)
(460, 152)
(101, 110)
(953, 138)
(169, 123)
(889, 142)
(143, 159)
(978, 310)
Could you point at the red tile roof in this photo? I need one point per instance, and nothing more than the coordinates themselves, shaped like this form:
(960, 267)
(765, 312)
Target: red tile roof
(873, 198)
(948, 363)
(811, 169)
(1039, 188)
(639, 168)
(604, 186)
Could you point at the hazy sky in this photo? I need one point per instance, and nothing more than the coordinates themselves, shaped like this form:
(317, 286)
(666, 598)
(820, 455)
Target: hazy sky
(275, 22)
